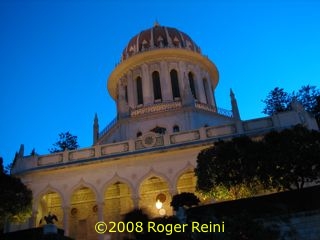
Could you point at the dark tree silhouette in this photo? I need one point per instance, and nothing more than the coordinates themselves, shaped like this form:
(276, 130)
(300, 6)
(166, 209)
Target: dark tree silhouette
(66, 141)
(15, 198)
(290, 158)
(277, 101)
(184, 199)
(231, 165)
(281, 160)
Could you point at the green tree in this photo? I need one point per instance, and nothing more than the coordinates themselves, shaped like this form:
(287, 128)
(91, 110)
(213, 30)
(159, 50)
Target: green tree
(15, 198)
(308, 97)
(229, 165)
(184, 199)
(241, 167)
(66, 141)
(290, 158)
(277, 101)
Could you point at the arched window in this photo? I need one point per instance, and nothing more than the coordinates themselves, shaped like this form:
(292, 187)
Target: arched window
(175, 84)
(139, 91)
(139, 134)
(206, 89)
(156, 86)
(159, 130)
(126, 93)
(191, 83)
(176, 128)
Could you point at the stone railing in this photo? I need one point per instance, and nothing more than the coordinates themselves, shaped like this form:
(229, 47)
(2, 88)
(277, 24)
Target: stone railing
(158, 107)
(153, 142)
(108, 127)
(225, 112)
(145, 142)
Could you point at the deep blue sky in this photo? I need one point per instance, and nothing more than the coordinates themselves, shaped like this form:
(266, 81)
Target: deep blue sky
(55, 57)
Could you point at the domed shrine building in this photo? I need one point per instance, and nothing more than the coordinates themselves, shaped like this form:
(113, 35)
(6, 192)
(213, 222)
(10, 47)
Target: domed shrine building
(166, 114)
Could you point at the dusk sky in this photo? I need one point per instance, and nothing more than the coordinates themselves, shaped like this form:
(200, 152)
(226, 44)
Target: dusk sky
(56, 56)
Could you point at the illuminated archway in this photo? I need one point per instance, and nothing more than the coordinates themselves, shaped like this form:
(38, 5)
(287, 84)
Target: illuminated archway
(83, 214)
(151, 190)
(117, 201)
(187, 182)
(50, 202)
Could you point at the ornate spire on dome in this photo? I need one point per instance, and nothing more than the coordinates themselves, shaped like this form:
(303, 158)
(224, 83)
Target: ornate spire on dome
(156, 23)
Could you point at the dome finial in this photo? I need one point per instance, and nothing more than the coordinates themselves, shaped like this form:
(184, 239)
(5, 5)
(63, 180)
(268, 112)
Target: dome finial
(156, 23)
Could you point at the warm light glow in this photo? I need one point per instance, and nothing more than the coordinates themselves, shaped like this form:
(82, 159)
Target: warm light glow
(162, 212)
(158, 204)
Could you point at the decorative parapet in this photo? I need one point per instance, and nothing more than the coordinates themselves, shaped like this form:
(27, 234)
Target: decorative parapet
(220, 131)
(114, 148)
(225, 112)
(81, 154)
(205, 107)
(259, 123)
(149, 140)
(108, 127)
(50, 159)
(184, 137)
(153, 141)
(159, 107)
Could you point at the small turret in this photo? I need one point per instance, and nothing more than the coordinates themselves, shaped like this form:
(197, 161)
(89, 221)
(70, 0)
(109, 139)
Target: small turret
(95, 129)
(236, 113)
(234, 105)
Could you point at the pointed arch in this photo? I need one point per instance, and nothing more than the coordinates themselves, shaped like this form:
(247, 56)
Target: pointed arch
(151, 186)
(49, 200)
(156, 86)
(174, 84)
(192, 84)
(117, 200)
(83, 210)
(139, 90)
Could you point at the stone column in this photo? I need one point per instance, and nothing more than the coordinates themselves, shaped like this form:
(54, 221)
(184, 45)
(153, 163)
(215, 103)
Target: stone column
(186, 95)
(211, 92)
(199, 85)
(165, 82)
(66, 211)
(182, 73)
(100, 211)
(123, 108)
(33, 219)
(135, 200)
(146, 86)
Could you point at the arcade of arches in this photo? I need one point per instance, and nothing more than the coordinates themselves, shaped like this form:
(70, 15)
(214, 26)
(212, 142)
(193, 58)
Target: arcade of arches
(84, 209)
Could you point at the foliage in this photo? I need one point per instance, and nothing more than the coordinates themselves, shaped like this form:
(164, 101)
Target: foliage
(229, 165)
(242, 167)
(66, 141)
(291, 158)
(184, 199)
(134, 216)
(307, 96)
(277, 101)
(15, 198)
(242, 227)
(221, 193)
